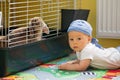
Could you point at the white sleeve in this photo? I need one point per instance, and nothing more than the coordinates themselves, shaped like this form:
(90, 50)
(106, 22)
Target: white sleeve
(86, 55)
(82, 56)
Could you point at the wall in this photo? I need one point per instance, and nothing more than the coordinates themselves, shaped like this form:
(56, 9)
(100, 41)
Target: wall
(91, 4)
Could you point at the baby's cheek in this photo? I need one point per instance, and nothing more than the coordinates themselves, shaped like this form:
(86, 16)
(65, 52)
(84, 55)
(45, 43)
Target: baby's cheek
(71, 46)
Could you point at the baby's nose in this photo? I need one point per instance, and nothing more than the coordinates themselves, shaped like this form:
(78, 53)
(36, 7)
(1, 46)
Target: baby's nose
(75, 41)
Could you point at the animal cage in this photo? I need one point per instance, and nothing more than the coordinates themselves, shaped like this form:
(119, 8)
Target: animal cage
(16, 14)
(22, 43)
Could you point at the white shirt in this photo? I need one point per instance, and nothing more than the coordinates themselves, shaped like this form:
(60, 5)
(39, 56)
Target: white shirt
(107, 58)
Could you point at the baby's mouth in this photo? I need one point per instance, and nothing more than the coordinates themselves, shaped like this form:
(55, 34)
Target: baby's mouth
(75, 47)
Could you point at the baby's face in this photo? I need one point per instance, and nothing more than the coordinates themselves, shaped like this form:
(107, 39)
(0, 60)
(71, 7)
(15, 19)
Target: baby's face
(78, 40)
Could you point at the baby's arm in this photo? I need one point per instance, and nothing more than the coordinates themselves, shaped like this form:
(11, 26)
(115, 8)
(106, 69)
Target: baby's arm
(81, 66)
(74, 61)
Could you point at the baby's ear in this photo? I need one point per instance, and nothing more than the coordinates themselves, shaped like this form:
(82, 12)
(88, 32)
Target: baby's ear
(89, 38)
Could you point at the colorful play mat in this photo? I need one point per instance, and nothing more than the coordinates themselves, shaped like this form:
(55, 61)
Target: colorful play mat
(49, 71)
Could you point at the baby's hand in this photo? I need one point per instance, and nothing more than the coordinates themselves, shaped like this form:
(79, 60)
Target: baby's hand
(54, 67)
(64, 66)
(67, 65)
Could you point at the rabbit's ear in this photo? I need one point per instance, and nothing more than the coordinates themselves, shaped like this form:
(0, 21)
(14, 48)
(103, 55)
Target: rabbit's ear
(46, 30)
(30, 22)
(44, 26)
(41, 22)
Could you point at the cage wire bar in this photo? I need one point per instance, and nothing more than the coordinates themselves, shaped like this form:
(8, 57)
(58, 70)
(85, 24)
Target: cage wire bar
(16, 14)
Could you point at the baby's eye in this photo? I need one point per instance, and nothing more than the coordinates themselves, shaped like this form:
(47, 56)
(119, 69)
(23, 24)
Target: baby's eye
(79, 38)
(71, 39)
